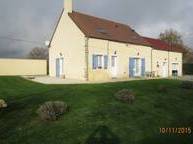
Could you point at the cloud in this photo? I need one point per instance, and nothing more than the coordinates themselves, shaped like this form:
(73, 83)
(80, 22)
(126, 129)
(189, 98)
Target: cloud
(28, 20)
(148, 17)
(35, 20)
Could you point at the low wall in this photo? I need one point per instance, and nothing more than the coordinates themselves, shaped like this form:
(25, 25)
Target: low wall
(20, 67)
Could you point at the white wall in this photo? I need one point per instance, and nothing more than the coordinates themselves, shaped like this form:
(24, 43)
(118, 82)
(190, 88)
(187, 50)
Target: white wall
(159, 57)
(176, 58)
(68, 42)
(123, 53)
(15, 67)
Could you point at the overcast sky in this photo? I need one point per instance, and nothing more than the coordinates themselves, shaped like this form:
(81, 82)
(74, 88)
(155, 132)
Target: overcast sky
(34, 20)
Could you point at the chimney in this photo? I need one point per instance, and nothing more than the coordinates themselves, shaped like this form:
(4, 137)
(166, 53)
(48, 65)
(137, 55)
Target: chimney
(68, 6)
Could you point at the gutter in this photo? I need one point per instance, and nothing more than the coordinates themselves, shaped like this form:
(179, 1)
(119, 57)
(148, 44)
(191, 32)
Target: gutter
(168, 63)
(169, 50)
(152, 59)
(86, 59)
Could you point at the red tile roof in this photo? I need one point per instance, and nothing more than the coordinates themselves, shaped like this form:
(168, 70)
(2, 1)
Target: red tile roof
(161, 45)
(94, 27)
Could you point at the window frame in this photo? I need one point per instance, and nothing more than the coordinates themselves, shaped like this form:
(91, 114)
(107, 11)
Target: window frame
(113, 61)
(175, 66)
(98, 61)
(105, 61)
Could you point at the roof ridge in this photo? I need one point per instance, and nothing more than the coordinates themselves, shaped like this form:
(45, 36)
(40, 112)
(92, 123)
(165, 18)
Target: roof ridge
(161, 45)
(105, 19)
(157, 39)
(151, 38)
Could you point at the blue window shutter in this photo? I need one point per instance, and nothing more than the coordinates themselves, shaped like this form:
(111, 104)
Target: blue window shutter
(143, 67)
(94, 61)
(105, 62)
(131, 66)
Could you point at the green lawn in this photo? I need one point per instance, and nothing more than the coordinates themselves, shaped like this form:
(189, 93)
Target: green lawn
(95, 114)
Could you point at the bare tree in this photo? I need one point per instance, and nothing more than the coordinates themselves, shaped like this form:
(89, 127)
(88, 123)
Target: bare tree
(188, 55)
(38, 53)
(172, 37)
(175, 39)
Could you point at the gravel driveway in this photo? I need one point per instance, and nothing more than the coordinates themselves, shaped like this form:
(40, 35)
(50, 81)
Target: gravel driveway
(187, 78)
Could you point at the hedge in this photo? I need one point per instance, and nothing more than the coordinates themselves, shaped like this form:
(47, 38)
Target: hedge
(188, 69)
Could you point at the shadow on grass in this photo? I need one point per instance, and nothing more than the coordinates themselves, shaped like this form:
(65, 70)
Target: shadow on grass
(102, 135)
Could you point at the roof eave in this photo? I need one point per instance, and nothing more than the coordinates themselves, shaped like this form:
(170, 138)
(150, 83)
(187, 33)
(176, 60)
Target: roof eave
(125, 42)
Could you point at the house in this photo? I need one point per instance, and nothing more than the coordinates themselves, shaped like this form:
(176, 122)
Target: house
(166, 59)
(88, 48)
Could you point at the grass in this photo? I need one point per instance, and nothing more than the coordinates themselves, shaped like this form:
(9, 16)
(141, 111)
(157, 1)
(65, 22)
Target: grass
(96, 117)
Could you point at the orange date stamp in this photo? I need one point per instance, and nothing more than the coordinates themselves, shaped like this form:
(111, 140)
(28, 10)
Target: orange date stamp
(180, 131)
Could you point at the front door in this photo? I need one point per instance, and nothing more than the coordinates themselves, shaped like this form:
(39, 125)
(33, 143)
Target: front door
(136, 67)
(175, 70)
(59, 67)
(114, 66)
(165, 69)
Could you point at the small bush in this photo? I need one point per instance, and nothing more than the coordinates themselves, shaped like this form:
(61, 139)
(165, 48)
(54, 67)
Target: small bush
(51, 111)
(3, 104)
(125, 95)
(162, 89)
(187, 85)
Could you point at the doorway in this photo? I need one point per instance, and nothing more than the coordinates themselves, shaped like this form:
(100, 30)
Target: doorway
(114, 66)
(59, 67)
(135, 69)
(165, 69)
(175, 69)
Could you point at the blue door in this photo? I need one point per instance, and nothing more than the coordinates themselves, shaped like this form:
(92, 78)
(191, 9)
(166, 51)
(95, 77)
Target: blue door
(57, 67)
(131, 67)
(143, 67)
(136, 68)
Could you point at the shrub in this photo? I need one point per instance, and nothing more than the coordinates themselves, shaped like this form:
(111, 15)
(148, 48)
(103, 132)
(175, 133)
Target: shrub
(187, 85)
(51, 111)
(125, 95)
(3, 104)
(162, 89)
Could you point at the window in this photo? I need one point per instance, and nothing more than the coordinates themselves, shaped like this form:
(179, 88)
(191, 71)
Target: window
(97, 62)
(112, 61)
(99, 58)
(105, 62)
(143, 66)
(174, 66)
(175, 69)
(137, 66)
(101, 30)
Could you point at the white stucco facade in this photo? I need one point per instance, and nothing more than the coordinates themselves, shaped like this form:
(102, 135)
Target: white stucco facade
(122, 51)
(71, 56)
(160, 57)
(68, 43)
